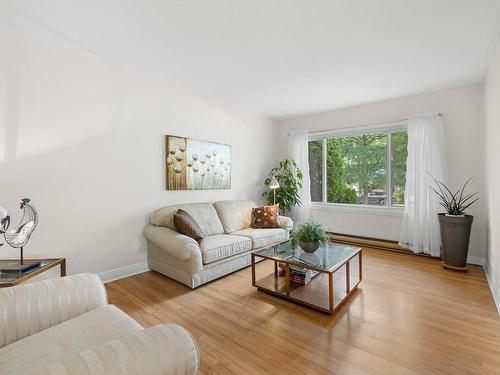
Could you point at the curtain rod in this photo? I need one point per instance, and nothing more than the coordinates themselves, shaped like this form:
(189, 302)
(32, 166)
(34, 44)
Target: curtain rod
(362, 126)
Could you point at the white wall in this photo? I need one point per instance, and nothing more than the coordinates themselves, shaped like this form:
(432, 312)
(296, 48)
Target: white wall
(84, 140)
(462, 110)
(492, 137)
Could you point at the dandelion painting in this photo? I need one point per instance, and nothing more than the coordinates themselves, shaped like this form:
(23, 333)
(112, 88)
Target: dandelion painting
(196, 165)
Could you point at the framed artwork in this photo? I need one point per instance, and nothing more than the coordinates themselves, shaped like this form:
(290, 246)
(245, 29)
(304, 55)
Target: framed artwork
(196, 165)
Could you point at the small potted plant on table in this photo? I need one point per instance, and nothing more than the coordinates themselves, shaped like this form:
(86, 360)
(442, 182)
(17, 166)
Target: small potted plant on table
(454, 224)
(309, 236)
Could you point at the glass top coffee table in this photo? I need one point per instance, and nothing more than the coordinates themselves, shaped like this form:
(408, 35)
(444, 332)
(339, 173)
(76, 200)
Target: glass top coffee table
(323, 280)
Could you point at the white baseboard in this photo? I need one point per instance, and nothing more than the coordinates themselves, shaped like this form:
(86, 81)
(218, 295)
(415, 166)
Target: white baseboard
(476, 260)
(495, 290)
(122, 272)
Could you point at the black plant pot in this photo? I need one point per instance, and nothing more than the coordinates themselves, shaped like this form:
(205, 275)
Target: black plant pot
(455, 236)
(309, 247)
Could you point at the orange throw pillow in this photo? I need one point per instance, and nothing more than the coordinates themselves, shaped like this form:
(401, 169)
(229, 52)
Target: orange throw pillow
(266, 217)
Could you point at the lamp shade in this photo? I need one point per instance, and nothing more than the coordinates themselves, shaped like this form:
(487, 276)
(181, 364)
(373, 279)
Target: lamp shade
(274, 183)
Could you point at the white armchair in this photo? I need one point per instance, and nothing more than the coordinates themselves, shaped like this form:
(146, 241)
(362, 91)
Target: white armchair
(65, 326)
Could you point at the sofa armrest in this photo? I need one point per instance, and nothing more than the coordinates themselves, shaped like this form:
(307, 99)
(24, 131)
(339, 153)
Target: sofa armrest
(286, 222)
(29, 308)
(162, 349)
(176, 244)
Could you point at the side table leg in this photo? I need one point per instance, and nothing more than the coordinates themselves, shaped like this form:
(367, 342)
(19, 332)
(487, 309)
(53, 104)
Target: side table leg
(63, 268)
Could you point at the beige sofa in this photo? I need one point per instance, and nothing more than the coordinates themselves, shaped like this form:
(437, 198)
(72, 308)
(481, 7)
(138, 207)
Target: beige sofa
(229, 241)
(65, 326)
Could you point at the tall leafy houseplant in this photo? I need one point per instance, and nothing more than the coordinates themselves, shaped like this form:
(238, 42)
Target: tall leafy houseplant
(454, 224)
(289, 177)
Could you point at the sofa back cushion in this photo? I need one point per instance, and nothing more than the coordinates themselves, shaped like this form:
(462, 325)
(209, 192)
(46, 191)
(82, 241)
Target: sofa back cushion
(203, 213)
(235, 215)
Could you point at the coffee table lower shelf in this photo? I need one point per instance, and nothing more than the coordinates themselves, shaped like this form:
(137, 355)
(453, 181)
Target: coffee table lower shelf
(327, 292)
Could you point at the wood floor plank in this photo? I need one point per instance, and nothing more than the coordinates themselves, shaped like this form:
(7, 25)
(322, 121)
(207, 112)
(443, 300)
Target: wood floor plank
(409, 316)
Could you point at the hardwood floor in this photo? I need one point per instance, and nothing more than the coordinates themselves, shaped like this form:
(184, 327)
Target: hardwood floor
(409, 316)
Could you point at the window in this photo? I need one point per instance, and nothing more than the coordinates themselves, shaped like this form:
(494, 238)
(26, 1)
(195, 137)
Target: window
(316, 170)
(399, 152)
(359, 168)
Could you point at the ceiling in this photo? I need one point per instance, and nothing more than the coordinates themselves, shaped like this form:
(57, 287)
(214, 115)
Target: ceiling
(279, 58)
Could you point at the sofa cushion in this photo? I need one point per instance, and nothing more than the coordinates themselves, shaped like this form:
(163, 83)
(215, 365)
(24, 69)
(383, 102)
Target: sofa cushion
(266, 217)
(263, 237)
(58, 299)
(165, 349)
(203, 213)
(187, 226)
(221, 246)
(70, 337)
(286, 223)
(235, 215)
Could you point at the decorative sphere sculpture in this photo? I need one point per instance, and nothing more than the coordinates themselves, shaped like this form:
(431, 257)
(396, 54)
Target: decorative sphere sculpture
(19, 236)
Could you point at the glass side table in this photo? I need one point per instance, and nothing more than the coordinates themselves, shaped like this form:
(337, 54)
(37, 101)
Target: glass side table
(15, 278)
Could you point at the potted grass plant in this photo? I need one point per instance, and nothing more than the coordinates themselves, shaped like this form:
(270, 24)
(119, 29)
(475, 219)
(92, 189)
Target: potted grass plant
(454, 224)
(309, 236)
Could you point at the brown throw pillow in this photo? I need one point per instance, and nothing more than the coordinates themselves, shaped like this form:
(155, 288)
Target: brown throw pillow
(185, 224)
(266, 217)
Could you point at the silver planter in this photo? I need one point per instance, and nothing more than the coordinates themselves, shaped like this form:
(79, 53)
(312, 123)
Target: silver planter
(309, 247)
(455, 236)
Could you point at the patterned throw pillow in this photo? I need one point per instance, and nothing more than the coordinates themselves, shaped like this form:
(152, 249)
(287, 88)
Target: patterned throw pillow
(185, 224)
(266, 217)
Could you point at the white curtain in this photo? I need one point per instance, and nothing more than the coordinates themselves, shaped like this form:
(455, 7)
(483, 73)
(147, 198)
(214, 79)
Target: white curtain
(298, 150)
(426, 158)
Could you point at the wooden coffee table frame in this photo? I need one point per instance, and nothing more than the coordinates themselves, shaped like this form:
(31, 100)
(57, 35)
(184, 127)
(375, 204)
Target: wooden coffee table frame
(288, 288)
(18, 279)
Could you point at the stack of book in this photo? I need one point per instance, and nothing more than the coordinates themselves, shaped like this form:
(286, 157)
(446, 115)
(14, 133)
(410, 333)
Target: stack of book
(301, 275)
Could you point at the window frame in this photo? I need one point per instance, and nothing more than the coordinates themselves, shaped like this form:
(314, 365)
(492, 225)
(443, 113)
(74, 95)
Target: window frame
(388, 128)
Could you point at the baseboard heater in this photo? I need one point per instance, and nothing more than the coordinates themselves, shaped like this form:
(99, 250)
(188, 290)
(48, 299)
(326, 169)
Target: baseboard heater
(373, 243)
